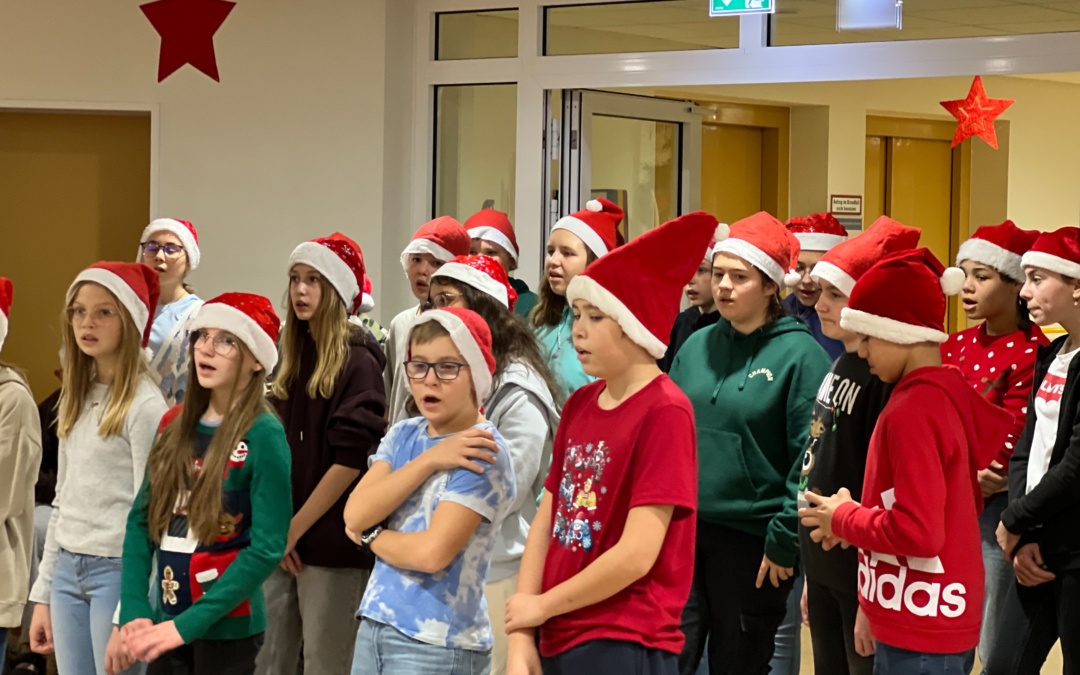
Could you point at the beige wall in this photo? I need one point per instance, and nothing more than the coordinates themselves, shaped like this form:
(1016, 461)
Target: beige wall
(288, 146)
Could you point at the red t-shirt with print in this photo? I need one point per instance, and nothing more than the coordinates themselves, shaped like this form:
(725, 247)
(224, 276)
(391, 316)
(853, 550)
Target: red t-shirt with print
(604, 463)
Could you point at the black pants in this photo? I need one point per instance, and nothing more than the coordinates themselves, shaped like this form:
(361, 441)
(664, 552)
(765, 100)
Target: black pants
(210, 657)
(832, 630)
(1033, 620)
(612, 657)
(740, 621)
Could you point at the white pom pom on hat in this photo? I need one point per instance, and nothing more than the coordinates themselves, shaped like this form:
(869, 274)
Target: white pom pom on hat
(792, 278)
(952, 280)
(723, 231)
(594, 205)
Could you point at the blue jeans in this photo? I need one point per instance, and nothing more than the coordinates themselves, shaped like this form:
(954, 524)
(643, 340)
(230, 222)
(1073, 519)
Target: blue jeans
(85, 592)
(788, 654)
(889, 660)
(384, 650)
(999, 575)
(3, 649)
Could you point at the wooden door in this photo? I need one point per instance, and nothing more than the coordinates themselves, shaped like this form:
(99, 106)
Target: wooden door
(731, 170)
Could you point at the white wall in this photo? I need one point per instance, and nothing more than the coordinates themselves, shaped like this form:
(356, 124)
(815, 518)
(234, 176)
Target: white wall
(288, 146)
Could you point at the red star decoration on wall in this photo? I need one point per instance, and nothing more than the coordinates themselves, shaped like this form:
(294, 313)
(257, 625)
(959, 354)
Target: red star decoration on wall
(976, 114)
(187, 30)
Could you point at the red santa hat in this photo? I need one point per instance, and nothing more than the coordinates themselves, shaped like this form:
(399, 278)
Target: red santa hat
(443, 238)
(136, 286)
(485, 274)
(472, 337)
(843, 264)
(902, 299)
(367, 302)
(1057, 251)
(817, 232)
(249, 317)
(765, 243)
(184, 231)
(999, 246)
(597, 225)
(494, 226)
(340, 261)
(7, 294)
(640, 284)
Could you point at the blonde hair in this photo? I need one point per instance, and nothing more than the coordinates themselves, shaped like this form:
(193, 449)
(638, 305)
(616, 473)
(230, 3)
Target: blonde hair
(79, 372)
(170, 466)
(331, 330)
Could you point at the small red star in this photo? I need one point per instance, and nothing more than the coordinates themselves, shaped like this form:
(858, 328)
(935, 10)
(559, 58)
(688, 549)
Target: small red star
(187, 30)
(976, 114)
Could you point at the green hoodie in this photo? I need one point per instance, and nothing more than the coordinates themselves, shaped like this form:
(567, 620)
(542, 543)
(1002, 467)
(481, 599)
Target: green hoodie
(753, 396)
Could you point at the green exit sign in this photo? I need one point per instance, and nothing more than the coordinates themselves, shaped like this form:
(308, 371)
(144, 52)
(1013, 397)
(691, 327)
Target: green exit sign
(733, 7)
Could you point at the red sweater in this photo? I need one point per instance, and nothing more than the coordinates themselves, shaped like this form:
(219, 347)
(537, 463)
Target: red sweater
(917, 530)
(1000, 369)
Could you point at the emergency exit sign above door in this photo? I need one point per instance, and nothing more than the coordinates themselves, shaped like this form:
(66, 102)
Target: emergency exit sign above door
(734, 7)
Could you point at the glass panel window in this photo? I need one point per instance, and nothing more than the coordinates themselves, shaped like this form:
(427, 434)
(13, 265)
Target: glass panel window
(491, 34)
(475, 149)
(650, 26)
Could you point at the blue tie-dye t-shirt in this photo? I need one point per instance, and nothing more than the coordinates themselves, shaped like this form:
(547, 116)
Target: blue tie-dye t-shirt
(445, 609)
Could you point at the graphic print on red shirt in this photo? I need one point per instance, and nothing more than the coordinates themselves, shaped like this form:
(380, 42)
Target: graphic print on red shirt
(605, 463)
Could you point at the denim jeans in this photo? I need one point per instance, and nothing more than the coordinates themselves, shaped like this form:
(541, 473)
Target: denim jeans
(788, 654)
(3, 649)
(999, 575)
(383, 650)
(85, 591)
(889, 660)
(1034, 618)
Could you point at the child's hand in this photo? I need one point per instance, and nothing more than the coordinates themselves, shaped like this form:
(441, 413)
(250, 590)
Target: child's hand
(865, 645)
(818, 516)
(149, 644)
(993, 480)
(776, 573)
(522, 655)
(524, 611)
(1007, 541)
(459, 451)
(117, 659)
(41, 637)
(1029, 567)
(804, 607)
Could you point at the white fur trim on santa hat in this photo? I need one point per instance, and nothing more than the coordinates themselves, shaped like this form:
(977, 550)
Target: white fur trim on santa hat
(825, 270)
(332, 267)
(585, 233)
(496, 237)
(988, 253)
(475, 278)
(818, 241)
(131, 301)
(177, 228)
(367, 303)
(230, 319)
(583, 287)
(888, 329)
(753, 255)
(1048, 261)
(424, 246)
(3, 329)
(466, 344)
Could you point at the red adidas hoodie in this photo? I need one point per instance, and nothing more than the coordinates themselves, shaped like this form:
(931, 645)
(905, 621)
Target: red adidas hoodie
(917, 530)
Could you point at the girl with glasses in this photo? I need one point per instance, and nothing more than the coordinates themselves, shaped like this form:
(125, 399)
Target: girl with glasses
(110, 407)
(171, 247)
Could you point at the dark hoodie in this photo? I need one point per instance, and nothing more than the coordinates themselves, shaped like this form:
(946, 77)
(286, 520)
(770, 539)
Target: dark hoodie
(344, 429)
(753, 396)
(920, 558)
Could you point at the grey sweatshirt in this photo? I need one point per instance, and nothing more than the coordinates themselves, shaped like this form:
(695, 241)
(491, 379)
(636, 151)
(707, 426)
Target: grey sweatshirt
(397, 347)
(93, 498)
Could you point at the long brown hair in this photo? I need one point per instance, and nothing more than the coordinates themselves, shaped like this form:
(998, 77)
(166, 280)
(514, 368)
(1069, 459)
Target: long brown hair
(79, 373)
(331, 330)
(550, 305)
(170, 466)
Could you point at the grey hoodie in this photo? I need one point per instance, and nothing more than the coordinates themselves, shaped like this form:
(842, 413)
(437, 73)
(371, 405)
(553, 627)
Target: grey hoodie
(20, 456)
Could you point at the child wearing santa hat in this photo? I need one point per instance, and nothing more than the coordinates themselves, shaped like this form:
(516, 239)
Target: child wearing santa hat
(431, 247)
(847, 407)
(701, 313)
(20, 456)
(766, 365)
(110, 407)
(430, 509)
(493, 235)
(575, 242)
(817, 233)
(1038, 530)
(609, 559)
(171, 247)
(329, 394)
(523, 405)
(212, 515)
(998, 361)
(920, 562)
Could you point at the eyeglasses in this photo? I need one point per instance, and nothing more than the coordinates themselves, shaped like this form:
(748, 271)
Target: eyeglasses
(80, 315)
(151, 248)
(444, 299)
(224, 344)
(445, 371)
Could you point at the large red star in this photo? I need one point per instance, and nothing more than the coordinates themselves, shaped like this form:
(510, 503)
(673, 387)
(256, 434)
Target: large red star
(976, 114)
(187, 30)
